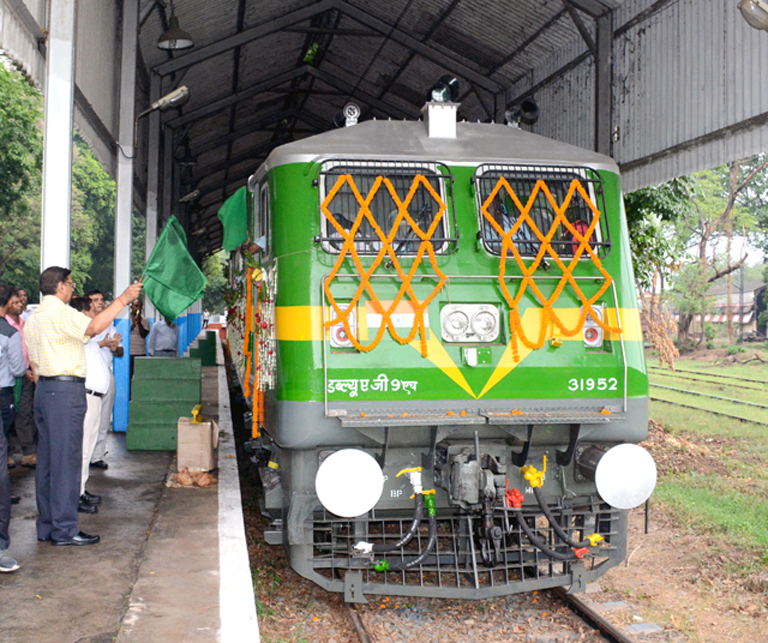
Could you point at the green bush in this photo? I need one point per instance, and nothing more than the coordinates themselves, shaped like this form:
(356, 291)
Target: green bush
(710, 345)
(710, 332)
(732, 350)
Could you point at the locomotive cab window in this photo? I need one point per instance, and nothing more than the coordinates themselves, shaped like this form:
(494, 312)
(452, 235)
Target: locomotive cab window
(346, 199)
(512, 196)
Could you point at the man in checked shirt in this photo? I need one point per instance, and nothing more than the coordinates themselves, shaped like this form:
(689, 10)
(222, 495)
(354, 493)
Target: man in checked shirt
(56, 335)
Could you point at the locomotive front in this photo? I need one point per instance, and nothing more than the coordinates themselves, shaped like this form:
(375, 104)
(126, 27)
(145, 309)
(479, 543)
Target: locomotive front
(447, 368)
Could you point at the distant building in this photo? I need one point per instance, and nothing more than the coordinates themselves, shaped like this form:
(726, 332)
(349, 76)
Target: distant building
(745, 307)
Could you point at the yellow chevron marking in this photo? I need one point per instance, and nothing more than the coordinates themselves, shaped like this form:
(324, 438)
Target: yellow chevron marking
(437, 354)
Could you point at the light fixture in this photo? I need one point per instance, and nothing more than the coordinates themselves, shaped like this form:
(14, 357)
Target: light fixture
(176, 98)
(188, 198)
(175, 38)
(755, 12)
(445, 90)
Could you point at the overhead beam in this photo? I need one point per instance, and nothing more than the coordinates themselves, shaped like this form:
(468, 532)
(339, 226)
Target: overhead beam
(233, 99)
(436, 56)
(585, 35)
(317, 124)
(594, 8)
(214, 49)
(350, 90)
(244, 37)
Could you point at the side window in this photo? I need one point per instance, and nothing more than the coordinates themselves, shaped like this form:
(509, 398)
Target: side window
(525, 200)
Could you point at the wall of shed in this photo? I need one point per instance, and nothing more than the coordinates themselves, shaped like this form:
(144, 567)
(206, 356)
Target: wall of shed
(693, 68)
(18, 42)
(96, 75)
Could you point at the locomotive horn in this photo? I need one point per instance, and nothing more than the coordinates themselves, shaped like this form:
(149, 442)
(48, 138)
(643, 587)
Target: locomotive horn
(526, 112)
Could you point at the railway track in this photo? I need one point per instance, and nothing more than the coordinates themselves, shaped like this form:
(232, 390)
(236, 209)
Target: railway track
(682, 375)
(731, 381)
(584, 612)
(735, 378)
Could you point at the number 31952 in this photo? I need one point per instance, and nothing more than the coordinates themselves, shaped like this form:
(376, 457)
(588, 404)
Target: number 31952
(592, 384)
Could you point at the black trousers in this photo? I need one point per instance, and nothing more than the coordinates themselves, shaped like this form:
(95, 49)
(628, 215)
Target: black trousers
(5, 489)
(59, 412)
(23, 437)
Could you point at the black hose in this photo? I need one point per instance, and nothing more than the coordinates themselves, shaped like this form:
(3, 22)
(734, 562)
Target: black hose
(538, 543)
(400, 565)
(555, 525)
(380, 548)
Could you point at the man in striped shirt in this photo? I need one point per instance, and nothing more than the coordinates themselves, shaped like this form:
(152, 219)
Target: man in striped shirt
(56, 335)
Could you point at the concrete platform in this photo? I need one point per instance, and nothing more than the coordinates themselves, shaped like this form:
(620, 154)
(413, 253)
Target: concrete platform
(172, 563)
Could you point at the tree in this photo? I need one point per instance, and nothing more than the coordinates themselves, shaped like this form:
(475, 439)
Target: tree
(21, 155)
(647, 210)
(653, 250)
(727, 198)
(213, 268)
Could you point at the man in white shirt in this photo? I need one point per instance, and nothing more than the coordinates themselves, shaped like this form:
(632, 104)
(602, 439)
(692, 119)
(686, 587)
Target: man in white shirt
(109, 343)
(163, 339)
(96, 386)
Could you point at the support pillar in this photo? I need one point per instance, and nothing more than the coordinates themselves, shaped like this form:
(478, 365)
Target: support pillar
(57, 150)
(124, 203)
(604, 85)
(153, 169)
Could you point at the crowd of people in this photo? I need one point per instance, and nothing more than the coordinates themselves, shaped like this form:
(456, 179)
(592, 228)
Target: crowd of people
(56, 397)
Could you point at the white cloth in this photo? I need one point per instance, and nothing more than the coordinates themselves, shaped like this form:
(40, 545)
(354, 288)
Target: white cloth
(90, 434)
(96, 371)
(107, 403)
(106, 352)
(163, 337)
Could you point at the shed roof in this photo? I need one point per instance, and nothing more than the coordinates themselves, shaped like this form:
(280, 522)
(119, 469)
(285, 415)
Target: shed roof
(266, 73)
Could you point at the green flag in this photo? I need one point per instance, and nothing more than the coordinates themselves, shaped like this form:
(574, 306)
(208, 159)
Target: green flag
(234, 217)
(172, 280)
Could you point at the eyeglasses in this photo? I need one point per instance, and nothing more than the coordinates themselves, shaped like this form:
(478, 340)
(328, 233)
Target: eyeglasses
(71, 284)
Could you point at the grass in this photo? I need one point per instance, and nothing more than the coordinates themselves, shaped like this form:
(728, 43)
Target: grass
(709, 503)
(679, 419)
(733, 507)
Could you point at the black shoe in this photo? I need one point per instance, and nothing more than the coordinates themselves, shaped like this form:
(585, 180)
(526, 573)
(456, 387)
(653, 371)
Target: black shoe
(85, 508)
(15, 500)
(80, 538)
(90, 498)
(99, 464)
(42, 540)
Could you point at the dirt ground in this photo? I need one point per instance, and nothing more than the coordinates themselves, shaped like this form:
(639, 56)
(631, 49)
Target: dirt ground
(683, 581)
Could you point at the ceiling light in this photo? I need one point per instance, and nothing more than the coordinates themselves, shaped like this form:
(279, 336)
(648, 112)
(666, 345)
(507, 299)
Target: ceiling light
(755, 12)
(175, 38)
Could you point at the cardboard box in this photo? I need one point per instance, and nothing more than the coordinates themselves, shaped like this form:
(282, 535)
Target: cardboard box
(196, 445)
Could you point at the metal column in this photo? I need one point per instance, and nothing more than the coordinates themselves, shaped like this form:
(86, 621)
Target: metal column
(153, 169)
(124, 203)
(57, 151)
(604, 85)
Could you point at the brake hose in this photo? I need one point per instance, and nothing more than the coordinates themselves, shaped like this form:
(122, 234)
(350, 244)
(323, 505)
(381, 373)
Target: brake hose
(538, 543)
(386, 566)
(591, 541)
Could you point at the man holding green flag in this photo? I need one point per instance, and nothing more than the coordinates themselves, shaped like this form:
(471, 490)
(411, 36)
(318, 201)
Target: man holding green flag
(172, 279)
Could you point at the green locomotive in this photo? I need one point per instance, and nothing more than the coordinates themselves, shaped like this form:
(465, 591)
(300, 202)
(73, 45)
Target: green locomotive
(442, 345)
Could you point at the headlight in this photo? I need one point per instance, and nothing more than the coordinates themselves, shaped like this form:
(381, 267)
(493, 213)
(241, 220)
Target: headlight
(485, 324)
(469, 323)
(457, 323)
